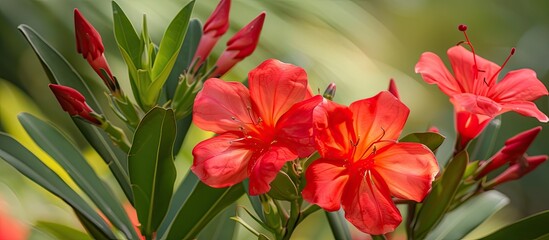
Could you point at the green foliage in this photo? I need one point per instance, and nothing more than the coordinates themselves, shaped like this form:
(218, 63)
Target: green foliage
(151, 167)
(339, 225)
(29, 165)
(532, 227)
(461, 221)
(430, 139)
(61, 231)
(70, 158)
(61, 72)
(441, 196)
(195, 204)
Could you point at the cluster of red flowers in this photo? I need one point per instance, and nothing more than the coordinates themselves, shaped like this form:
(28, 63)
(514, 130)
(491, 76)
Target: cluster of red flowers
(362, 164)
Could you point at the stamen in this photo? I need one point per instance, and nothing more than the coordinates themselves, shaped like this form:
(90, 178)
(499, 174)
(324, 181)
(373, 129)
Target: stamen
(374, 142)
(504, 63)
(463, 28)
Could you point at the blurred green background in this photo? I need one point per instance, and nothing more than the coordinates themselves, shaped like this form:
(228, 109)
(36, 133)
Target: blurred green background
(359, 45)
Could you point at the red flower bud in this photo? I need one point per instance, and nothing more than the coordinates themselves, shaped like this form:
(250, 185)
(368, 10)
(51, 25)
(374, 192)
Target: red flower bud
(393, 88)
(90, 45)
(433, 129)
(518, 170)
(73, 102)
(512, 152)
(241, 45)
(216, 25)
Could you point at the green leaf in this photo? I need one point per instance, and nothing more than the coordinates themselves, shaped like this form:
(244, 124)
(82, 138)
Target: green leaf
(61, 231)
(221, 227)
(430, 139)
(338, 224)
(151, 166)
(195, 205)
(167, 53)
(61, 72)
(283, 188)
(185, 56)
(92, 230)
(254, 200)
(440, 198)
(29, 165)
(69, 157)
(130, 46)
(531, 227)
(459, 222)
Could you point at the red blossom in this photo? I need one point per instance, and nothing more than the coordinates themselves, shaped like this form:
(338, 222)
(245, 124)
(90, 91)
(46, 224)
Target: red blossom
(11, 228)
(259, 129)
(73, 102)
(362, 165)
(241, 45)
(216, 25)
(475, 92)
(517, 170)
(90, 45)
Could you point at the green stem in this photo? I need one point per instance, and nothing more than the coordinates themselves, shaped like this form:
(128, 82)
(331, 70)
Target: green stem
(295, 214)
(117, 136)
(308, 211)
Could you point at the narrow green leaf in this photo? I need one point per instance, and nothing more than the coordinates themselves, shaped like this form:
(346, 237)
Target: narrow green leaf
(198, 208)
(92, 230)
(151, 166)
(62, 231)
(185, 56)
(430, 139)
(338, 224)
(255, 201)
(29, 165)
(531, 227)
(168, 50)
(221, 227)
(129, 43)
(459, 222)
(69, 157)
(61, 72)
(440, 198)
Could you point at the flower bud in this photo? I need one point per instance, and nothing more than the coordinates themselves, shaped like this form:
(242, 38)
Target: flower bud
(216, 25)
(513, 150)
(330, 91)
(74, 103)
(517, 170)
(241, 45)
(90, 45)
(393, 88)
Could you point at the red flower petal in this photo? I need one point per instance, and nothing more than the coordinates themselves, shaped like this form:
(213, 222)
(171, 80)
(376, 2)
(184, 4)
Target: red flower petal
(295, 127)
(525, 108)
(519, 85)
(221, 161)
(473, 79)
(223, 106)
(381, 117)
(368, 204)
(276, 86)
(333, 130)
(433, 71)
(409, 169)
(326, 180)
(265, 168)
(476, 104)
(469, 125)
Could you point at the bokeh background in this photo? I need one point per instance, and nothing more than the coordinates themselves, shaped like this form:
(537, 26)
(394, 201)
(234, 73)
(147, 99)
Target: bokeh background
(359, 45)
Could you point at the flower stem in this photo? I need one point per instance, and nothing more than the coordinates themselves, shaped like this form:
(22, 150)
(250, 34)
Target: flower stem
(295, 214)
(117, 136)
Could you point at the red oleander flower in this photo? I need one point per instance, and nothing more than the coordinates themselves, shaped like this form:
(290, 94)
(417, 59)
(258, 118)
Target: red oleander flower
(241, 45)
(11, 228)
(90, 45)
(362, 165)
(216, 25)
(73, 102)
(512, 152)
(475, 92)
(259, 129)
